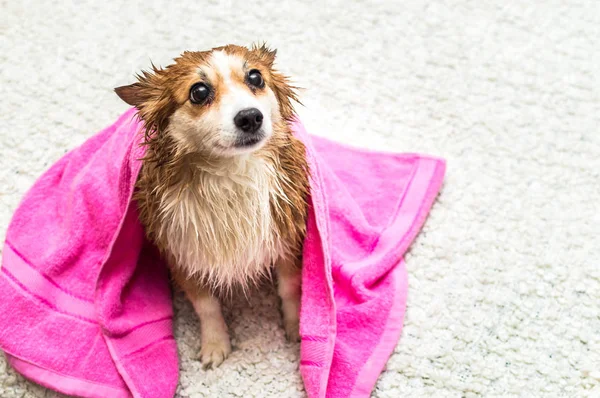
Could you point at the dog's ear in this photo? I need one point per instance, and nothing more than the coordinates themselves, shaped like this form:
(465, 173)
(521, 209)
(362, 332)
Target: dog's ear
(265, 54)
(147, 89)
(151, 98)
(131, 94)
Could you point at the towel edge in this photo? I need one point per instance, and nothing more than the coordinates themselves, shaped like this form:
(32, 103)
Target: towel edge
(63, 383)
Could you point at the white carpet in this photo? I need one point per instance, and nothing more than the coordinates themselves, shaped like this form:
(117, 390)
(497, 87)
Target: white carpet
(505, 278)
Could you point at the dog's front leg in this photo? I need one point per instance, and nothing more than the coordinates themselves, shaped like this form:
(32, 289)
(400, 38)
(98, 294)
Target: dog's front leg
(215, 344)
(215, 338)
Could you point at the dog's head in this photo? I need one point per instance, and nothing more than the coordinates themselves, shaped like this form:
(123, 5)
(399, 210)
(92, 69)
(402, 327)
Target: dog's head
(224, 102)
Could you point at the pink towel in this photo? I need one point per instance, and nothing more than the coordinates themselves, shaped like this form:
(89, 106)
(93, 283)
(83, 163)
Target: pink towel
(85, 305)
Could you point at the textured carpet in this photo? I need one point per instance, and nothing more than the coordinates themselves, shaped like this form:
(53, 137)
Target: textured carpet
(505, 278)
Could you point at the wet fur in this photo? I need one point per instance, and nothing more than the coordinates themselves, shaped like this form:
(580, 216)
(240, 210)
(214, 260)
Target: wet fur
(225, 222)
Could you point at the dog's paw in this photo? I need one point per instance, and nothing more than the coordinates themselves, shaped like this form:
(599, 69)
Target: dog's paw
(213, 353)
(292, 330)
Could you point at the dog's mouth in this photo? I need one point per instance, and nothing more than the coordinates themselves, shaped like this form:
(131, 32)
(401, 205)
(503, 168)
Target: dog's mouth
(249, 141)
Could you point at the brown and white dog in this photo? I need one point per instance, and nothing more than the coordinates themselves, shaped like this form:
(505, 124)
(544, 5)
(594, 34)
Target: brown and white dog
(222, 190)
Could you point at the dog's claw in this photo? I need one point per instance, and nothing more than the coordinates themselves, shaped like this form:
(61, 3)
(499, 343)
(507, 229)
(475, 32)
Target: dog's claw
(212, 354)
(292, 330)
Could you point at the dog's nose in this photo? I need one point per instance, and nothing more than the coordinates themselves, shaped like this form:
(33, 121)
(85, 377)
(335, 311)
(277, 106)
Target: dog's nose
(248, 120)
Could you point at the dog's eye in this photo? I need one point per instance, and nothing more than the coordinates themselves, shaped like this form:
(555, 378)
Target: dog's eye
(255, 78)
(199, 93)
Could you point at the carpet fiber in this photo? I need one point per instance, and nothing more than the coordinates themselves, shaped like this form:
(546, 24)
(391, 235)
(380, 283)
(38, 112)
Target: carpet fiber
(505, 277)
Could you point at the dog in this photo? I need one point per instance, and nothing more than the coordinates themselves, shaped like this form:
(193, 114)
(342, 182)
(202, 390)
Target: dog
(223, 187)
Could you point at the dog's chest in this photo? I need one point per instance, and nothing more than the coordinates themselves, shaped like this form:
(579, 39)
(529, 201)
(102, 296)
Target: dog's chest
(220, 226)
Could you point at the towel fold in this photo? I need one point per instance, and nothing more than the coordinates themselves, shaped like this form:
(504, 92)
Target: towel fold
(85, 305)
